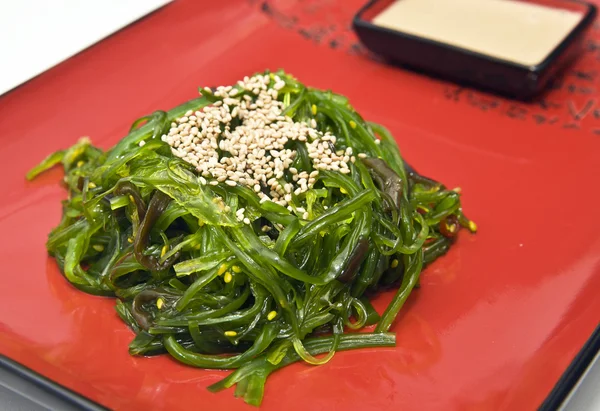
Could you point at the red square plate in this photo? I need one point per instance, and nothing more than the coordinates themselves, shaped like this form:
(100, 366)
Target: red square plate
(496, 321)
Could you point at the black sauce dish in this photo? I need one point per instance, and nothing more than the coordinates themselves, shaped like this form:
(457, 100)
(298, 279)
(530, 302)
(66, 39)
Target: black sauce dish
(469, 67)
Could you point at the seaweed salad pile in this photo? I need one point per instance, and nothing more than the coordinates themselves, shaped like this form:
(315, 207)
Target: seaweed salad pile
(247, 228)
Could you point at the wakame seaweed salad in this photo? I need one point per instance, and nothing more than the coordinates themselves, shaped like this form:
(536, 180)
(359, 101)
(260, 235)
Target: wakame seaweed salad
(245, 229)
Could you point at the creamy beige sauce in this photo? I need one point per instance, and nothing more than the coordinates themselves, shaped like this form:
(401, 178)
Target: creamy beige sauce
(512, 30)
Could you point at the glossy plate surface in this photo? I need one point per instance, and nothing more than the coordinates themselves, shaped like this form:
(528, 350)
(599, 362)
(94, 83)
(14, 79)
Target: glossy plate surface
(496, 321)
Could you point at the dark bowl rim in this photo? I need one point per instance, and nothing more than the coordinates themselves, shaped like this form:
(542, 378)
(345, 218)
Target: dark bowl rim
(587, 19)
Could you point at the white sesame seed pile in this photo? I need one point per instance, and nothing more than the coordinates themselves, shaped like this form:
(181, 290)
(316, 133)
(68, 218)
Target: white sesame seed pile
(241, 139)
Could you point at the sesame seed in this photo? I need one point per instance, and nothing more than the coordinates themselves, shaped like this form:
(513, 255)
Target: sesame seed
(472, 226)
(255, 147)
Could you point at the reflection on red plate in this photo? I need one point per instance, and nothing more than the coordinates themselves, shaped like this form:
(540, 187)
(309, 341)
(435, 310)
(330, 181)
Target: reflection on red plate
(495, 322)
